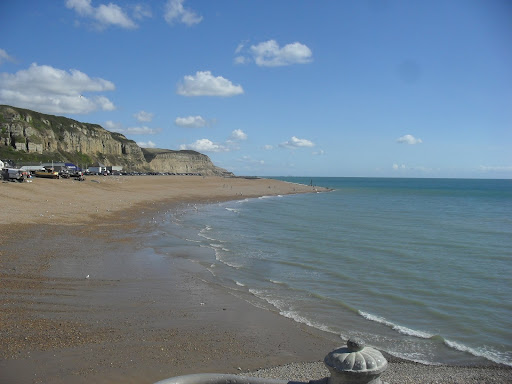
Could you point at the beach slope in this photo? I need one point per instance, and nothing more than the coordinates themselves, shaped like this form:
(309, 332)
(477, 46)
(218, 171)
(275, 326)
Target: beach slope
(82, 300)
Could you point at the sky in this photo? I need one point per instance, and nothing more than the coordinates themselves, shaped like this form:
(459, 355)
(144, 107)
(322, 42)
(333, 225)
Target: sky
(370, 88)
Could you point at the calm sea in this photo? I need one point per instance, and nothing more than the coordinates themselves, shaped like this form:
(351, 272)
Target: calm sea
(420, 268)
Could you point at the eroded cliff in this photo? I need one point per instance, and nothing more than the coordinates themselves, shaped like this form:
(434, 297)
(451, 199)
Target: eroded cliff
(165, 160)
(32, 136)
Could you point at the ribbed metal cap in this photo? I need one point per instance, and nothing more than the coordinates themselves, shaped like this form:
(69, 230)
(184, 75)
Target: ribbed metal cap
(355, 357)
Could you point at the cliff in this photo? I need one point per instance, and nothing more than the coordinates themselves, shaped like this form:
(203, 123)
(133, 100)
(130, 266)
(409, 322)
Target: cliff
(166, 160)
(32, 136)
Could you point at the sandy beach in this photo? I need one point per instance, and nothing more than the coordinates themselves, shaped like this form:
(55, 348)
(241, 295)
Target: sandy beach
(83, 301)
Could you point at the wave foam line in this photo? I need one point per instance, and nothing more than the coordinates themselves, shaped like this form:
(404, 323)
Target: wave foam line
(206, 237)
(399, 328)
(218, 257)
(488, 354)
(278, 304)
(491, 355)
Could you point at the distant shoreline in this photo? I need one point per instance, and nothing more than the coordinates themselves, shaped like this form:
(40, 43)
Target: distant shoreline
(66, 201)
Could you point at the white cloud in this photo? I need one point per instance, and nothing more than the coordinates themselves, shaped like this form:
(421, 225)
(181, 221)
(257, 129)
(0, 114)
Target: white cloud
(4, 56)
(241, 60)
(82, 7)
(268, 147)
(487, 168)
(295, 142)
(269, 54)
(143, 116)
(411, 169)
(174, 11)
(139, 131)
(205, 145)
(104, 15)
(320, 152)
(250, 160)
(112, 126)
(190, 122)
(141, 11)
(240, 47)
(148, 144)
(205, 84)
(408, 139)
(51, 90)
(238, 134)
(105, 103)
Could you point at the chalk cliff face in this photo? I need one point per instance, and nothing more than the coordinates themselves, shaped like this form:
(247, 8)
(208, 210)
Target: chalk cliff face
(165, 160)
(30, 134)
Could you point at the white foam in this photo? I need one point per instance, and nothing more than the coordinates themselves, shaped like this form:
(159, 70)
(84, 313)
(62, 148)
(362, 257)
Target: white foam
(399, 328)
(484, 352)
(228, 263)
(239, 284)
(279, 305)
(233, 210)
(261, 295)
(206, 237)
(301, 319)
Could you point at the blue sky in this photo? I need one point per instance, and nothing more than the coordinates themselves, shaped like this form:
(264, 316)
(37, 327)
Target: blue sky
(292, 88)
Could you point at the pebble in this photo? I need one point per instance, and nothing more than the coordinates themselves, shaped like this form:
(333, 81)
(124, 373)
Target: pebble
(397, 373)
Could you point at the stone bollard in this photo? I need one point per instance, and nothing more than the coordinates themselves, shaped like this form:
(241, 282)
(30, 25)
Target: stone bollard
(355, 364)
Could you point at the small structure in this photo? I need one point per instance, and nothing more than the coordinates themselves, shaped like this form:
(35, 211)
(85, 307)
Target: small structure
(72, 167)
(353, 364)
(61, 167)
(32, 168)
(97, 168)
(114, 168)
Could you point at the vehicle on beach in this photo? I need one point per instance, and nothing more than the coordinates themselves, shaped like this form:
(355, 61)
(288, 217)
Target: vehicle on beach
(48, 173)
(12, 174)
(78, 176)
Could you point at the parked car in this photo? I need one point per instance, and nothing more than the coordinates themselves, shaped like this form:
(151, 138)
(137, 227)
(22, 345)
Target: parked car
(13, 174)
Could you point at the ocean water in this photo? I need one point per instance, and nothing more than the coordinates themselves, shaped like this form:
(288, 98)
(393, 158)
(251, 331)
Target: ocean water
(420, 268)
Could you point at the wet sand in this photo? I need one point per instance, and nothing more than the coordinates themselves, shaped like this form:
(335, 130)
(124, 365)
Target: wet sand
(83, 301)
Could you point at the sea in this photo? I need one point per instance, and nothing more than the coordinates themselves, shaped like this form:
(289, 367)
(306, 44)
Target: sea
(419, 268)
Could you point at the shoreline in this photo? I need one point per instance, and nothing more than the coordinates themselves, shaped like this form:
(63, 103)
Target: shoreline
(66, 201)
(119, 324)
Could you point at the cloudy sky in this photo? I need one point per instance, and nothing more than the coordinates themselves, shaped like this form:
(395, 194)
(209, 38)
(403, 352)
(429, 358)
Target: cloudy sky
(302, 88)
